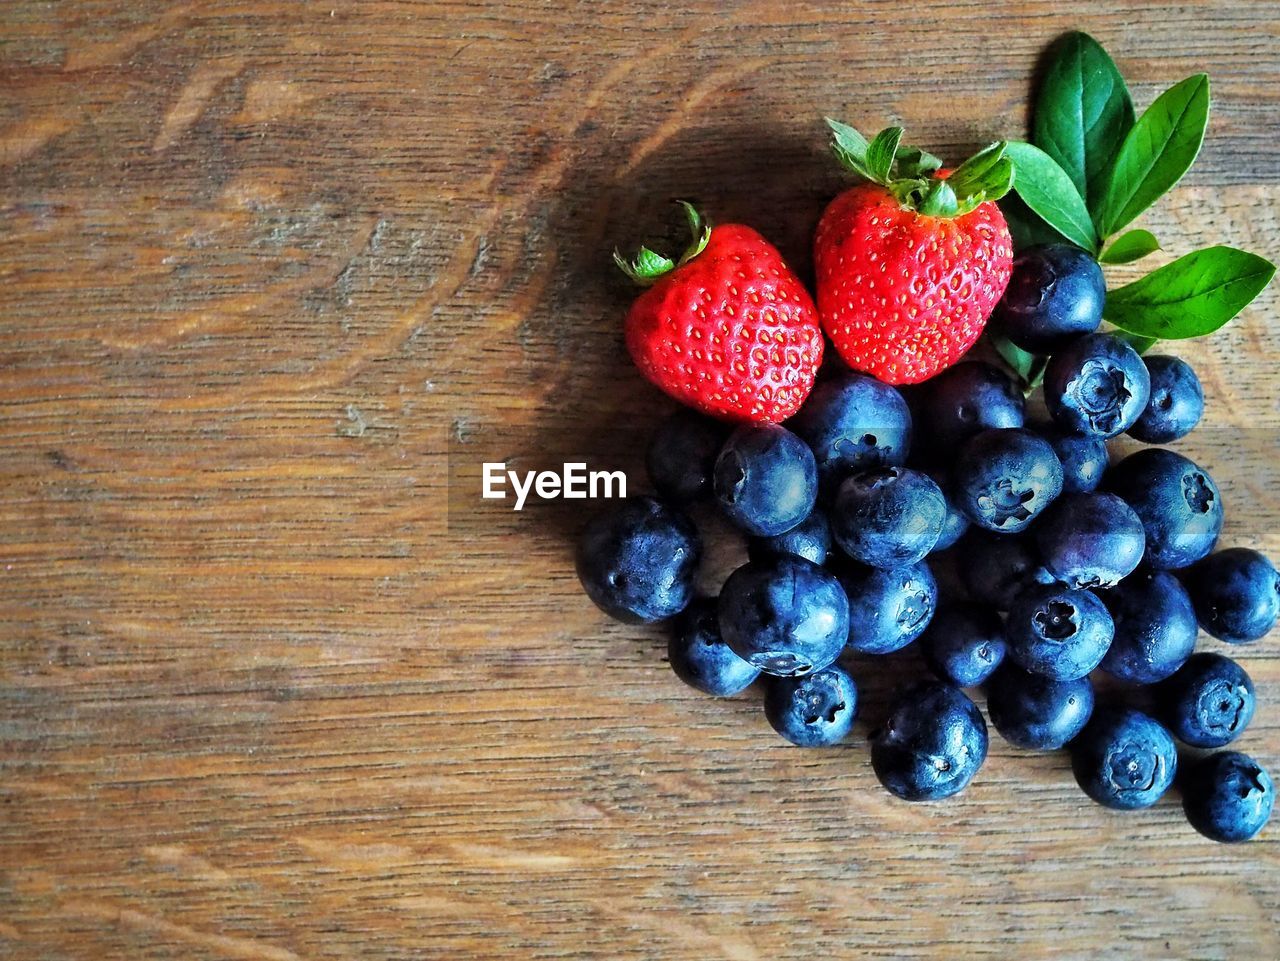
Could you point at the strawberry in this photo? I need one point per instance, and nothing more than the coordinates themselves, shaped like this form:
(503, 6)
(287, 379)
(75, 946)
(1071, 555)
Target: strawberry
(910, 265)
(729, 329)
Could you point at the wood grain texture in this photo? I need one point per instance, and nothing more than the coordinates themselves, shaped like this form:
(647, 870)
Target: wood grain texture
(268, 692)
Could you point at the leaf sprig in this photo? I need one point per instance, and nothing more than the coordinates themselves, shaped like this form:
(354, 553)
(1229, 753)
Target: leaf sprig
(647, 266)
(910, 174)
(1093, 167)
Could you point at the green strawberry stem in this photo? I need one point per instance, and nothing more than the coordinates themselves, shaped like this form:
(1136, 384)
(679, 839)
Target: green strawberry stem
(911, 174)
(647, 266)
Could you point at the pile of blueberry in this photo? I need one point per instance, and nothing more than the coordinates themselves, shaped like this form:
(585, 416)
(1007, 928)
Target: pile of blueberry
(1070, 564)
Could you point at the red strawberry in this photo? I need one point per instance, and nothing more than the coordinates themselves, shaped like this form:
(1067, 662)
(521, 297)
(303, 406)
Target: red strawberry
(910, 266)
(729, 330)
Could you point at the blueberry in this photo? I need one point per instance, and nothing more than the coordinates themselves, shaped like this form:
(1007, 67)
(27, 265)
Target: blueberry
(996, 568)
(931, 745)
(815, 710)
(1178, 502)
(1058, 632)
(1208, 702)
(1155, 627)
(1055, 293)
(1236, 594)
(765, 479)
(888, 516)
(965, 399)
(1228, 796)
(682, 454)
(852, 422)
(1096, 385)
(1084, 459)
(1037, 712)
(888, 609)
(1176, 403)
(1090, 540)
(701, 658)
(810, 539)
(964, 644)
(785, 615)
(1002, 479)
(637, 561)
(1124, 759)
(955, 523)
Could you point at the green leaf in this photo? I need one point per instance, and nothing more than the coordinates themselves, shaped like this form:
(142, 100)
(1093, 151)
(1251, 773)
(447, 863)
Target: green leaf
(1192, 296)
(848, 137)
(1047, 190)
(1020, 361)
(939, 200)
(1155, 153)
(693, 217)
(647, 267)
(987, 175)
(909, 193)
(850, 147)
(914, 163)
(1130, 246)
(1082, 113)
(699, 231)
(1037, 375)
(881, 153)
(977, 168)
(1029, 367)
(998, 183)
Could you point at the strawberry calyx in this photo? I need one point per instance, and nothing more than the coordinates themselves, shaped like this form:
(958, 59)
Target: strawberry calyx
(914, 176)
(647, 266)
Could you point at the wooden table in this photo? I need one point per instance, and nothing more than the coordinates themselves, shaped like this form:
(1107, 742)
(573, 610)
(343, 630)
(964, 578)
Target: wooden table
(277, 275)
